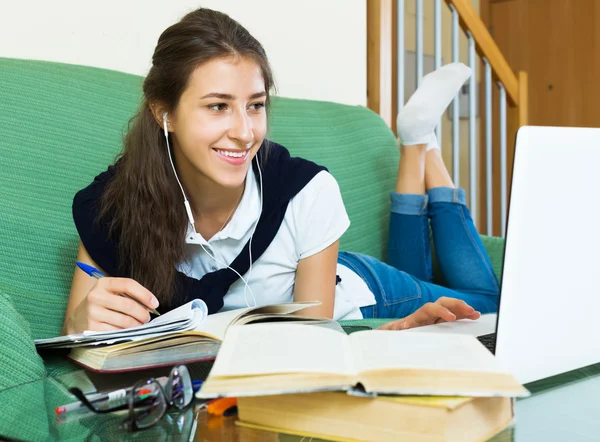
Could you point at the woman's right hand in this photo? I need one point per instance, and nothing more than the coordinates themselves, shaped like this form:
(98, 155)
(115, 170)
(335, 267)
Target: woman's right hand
(442, 310)
(104, 308)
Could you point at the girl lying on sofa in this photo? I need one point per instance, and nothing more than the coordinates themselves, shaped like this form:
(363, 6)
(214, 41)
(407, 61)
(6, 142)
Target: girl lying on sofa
(201, 204)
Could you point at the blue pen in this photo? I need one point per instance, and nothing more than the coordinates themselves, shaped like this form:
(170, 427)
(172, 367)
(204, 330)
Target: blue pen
(95, 273)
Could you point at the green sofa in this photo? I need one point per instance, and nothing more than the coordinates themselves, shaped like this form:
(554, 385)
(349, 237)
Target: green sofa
(61, 125)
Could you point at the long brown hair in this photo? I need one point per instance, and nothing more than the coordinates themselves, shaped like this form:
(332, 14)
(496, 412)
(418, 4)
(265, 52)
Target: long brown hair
(143, 204)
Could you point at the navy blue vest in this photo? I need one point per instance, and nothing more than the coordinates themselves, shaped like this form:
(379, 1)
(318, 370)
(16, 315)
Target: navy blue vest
(283, 177)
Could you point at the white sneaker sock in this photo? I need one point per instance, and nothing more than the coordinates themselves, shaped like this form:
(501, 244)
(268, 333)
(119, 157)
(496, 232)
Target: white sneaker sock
(417, 120)
(433, 142)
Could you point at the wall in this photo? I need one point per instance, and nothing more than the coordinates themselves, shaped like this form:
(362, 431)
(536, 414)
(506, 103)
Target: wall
(317, 48)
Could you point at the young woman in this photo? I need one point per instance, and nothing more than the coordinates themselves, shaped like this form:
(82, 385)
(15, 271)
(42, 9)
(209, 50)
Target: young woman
(200, 204)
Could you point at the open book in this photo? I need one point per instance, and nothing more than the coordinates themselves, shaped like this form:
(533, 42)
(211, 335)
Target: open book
(285, 358)
(183, 335)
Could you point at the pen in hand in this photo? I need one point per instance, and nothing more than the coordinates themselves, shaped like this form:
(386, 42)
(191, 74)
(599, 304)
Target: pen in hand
(95, 273)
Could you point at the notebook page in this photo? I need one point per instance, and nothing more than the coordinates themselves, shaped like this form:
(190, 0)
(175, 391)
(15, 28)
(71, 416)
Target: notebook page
(272, 348)
(183, 318)
(381, 349)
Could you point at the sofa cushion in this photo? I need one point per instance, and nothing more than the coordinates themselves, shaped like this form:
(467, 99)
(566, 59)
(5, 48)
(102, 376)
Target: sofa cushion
(61, 126)
(360, 152)
(19, 362)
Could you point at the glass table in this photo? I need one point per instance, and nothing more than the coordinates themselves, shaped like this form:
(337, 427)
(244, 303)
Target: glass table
(562, 408)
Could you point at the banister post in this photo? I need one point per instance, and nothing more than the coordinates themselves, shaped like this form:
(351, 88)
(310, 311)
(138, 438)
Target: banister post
(380, 58)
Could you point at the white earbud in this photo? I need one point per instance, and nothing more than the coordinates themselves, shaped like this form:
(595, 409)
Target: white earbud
(188, 210)
(252, 236)
(186, 203)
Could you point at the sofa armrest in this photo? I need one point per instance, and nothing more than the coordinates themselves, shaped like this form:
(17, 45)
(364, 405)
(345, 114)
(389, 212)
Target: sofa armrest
(19, 361)
(495, 250)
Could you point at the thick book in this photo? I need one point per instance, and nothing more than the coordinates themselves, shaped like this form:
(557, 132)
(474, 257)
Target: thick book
(268, 359)
(341, 417)
(162, 342)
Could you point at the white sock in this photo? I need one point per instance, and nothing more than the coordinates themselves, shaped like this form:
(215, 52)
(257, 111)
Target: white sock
(432, 143)
(417, 120)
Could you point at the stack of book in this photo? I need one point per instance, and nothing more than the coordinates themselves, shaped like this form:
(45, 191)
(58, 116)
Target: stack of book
(370, 385)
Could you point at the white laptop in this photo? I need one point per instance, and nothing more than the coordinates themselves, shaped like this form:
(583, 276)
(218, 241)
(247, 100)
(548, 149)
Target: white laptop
(549, 316)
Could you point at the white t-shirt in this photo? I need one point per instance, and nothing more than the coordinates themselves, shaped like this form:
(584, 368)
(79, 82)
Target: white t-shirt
(315, 218)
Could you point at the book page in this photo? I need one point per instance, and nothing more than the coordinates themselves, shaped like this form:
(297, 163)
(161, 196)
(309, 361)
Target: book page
(283, 348)
(216, 325)
(384, 349)
(255, 313)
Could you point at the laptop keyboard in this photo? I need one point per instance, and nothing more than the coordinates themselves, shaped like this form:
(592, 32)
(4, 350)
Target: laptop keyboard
(488, 341)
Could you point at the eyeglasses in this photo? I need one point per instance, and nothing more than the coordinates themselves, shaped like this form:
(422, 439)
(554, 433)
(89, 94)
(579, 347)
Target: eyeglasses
(147, 401)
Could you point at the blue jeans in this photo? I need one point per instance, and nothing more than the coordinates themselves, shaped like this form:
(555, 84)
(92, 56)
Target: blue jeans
(405, 283)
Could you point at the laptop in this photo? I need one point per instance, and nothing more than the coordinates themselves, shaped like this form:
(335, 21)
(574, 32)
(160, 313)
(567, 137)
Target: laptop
(549, 314)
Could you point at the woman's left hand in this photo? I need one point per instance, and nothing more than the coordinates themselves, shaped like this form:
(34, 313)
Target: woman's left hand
(442, 310)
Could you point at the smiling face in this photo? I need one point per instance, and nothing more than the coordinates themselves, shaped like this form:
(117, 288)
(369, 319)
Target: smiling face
(220, 122)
